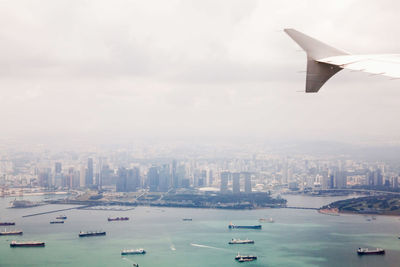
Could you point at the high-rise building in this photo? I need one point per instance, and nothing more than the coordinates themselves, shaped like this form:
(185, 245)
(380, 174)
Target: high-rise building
(210, 178)
(153, 179)
(247, 182)
(82, 177)
(165, 178)
(174, 176)
(224, 182)
(236, 182)
(89, 173)
(57, 167)
(122, 180)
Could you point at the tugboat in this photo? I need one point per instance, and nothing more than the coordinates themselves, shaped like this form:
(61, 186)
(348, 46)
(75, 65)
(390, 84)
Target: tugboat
(133, 251)
(244, 258)
(239, 241)
(26, 244)
(91, 233)
(118, 219)
(232, 226)
(13, 232)
(61, 217)
(366, 251)
(54, 222)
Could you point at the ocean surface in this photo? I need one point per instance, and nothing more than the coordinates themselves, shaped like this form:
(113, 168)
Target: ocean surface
(297, 238)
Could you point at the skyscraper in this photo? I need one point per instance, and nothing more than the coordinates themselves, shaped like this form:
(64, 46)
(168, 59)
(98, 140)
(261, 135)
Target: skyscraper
(89, 173)
(165, 178)
(224, 182)
(57, 167)
(247, 182)
(153, 179)
(236, 182)
(121, 180)
(174, 176)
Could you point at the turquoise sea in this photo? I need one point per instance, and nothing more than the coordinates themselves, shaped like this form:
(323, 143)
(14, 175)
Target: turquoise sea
(297, 238)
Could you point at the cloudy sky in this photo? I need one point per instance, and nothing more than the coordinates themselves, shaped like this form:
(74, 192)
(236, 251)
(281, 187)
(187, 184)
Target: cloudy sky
(192, 68)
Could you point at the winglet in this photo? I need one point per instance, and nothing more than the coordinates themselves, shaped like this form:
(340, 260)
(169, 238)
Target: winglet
(317, 73)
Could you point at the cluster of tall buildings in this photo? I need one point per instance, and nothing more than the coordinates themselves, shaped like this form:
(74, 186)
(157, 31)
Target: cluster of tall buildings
(236, 174)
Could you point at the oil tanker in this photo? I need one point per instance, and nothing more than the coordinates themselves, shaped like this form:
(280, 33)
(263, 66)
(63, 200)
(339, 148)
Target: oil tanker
(91, 233)
(26, 244)
(12, 232)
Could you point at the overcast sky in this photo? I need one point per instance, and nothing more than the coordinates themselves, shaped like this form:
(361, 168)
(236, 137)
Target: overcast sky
(192, 68)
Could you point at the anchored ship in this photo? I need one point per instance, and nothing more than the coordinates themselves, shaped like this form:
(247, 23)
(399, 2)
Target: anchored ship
(239, 241)
(91, 233)
(132, 251)
(232, 226)
(187, 219)
(61, 217)
(53, 222)
(244, 258)
(12, 232)
(367, 251)
(6, 223)
(24, 204)
(118, 219)
(26, 244)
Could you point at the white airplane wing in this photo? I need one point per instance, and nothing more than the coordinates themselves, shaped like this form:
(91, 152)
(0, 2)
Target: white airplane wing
(324, 61)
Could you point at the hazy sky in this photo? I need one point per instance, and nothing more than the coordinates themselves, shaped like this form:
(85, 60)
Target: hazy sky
(192, 68)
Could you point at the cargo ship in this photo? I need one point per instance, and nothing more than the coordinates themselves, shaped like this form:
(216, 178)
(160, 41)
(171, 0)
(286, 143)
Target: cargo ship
(26, 244)
(12, 232)
(24, 204)
(61, 217)
(367, 251)
(132, 251)
(6, 223)
(54, 222)
(91, 233)
(118, 219)
(187, 219)
(244, 258)
(232, 226)
(239, 241)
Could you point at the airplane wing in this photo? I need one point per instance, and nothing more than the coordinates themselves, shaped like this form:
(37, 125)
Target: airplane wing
(324, 61)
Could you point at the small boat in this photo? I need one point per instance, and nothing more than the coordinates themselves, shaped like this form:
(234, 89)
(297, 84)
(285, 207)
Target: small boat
(13, 232)
(54, 222)
(243, 258)
(133, 251)
(233, 226)
(187, 219)
(270, 220)
(367, 251)
(26, 244)
(118, 219)
(240, 241)
(91, 233)
(61, 217)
